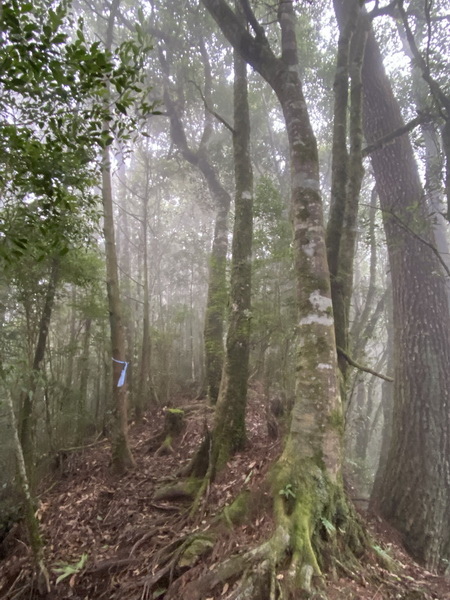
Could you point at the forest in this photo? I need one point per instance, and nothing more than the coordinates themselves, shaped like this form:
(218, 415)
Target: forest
(224, 299)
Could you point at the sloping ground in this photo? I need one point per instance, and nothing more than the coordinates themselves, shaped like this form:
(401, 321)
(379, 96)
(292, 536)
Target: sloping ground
(122, 538)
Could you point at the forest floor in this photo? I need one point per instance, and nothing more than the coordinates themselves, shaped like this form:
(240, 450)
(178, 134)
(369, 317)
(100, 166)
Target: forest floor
(110, 537)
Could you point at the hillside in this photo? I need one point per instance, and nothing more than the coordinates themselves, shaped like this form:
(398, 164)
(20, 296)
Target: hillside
(130, 545)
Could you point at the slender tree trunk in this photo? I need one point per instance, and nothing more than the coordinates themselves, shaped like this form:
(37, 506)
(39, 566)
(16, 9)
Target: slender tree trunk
(217, 288)
(229, 432)
(144, 386)
(32, 523)
(122, 458)
(125, 266)
(347, 174)
(26, 422)
(387, 402)
(84, 376)
(71, 346)
(415, 493)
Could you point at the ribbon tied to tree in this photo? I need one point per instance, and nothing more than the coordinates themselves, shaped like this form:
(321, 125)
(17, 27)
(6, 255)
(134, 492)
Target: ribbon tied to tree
(123, 373)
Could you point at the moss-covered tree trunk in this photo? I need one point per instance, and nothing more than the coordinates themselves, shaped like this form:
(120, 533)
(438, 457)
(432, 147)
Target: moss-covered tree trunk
(229, 432)
(217, 287)
(122, 458)
(31, 521)
(307, 483)
(415, 493)
(347, 174)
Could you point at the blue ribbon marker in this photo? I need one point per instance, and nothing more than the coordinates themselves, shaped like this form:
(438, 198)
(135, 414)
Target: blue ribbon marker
(123, 373)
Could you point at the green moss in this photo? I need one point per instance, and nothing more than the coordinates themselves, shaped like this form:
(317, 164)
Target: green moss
(186, 490)
(239, 509)
(195, 549)
(336, 420)
(175, 411)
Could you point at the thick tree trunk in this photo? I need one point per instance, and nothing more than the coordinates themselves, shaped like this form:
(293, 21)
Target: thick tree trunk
(415, 493)
(229, 432)
(307, 484)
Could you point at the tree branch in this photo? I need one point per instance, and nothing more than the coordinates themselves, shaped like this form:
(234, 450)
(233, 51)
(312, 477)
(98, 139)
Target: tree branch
(390, 137)
(353, 363)
(210, 110)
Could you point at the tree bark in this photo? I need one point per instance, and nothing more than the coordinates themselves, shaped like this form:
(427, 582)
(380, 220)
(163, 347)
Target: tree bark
(84, 377)
(144, 385)
(26, 419)
(122, 458)
(347, 175)
(229, 433)
(217, 288)
(415, 493)
(307, 484)
(32, 523)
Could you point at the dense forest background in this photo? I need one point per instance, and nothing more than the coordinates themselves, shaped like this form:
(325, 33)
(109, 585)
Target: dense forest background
(205, 198)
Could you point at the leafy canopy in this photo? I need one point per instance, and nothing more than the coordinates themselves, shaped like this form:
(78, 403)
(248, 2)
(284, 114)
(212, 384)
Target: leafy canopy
(62, 100)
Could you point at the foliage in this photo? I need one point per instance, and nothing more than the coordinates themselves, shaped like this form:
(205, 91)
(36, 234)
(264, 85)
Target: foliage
(56, 95)
(287, 491)
(67, 569)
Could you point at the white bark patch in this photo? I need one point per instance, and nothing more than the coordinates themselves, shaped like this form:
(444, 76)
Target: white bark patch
(308, 249)
(301, 180)
(322, 305)
(247, 195)
(315, 318)
(324, 366)
(319, 302)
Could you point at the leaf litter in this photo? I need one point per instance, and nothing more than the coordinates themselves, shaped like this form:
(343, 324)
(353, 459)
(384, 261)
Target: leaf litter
(106, 538)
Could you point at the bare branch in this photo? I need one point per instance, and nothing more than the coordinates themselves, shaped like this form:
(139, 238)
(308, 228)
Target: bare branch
(360, 367)
(390, 137)
(210, 110)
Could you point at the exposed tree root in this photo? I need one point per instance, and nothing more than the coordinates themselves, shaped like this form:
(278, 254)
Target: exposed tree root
(173, 427)
(316, 530)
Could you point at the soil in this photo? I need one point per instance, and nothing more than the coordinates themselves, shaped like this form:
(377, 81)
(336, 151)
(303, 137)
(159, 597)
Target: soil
(107, 538)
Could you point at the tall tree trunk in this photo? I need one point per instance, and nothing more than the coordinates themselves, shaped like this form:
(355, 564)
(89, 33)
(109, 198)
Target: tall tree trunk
(307, 480)
(347, 174)
(122, 458)
(125, 266)
(229, 432)
(71, 346)
(84, 376)
(387, 404)
(28, 397)
(144, 385)
(217, 287)
(415, 493)
(434, 158)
